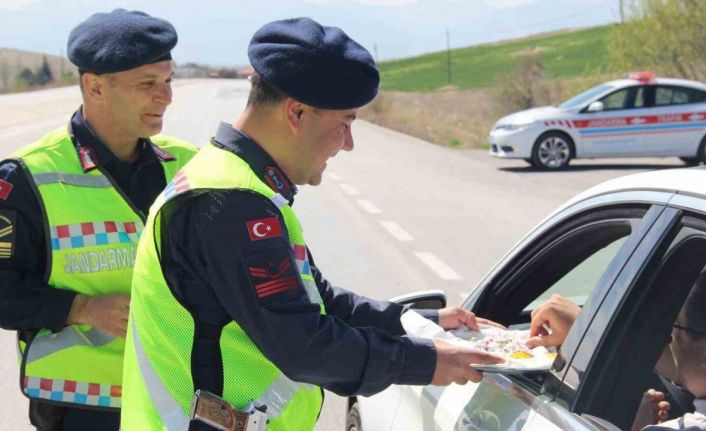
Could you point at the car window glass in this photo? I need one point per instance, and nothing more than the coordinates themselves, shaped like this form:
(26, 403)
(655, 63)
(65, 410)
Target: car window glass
(571, 264)
(640, 98)
(669, 95)
(697, 96)
(584, 97)
(579, 281)
(617, 100)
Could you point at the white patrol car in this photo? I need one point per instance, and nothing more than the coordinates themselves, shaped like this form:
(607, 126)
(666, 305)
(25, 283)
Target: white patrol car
(639, 116)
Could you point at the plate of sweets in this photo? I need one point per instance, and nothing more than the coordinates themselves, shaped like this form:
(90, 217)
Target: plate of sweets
(509, 344)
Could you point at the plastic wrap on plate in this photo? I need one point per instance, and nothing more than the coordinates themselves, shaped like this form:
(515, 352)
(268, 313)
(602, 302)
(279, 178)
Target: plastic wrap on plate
(510, 344)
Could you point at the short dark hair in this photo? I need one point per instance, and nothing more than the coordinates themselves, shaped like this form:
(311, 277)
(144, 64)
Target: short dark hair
(695, 307)
(262, 93)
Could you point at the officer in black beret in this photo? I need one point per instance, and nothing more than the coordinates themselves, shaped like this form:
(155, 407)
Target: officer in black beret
(72, 206)
(228, 298)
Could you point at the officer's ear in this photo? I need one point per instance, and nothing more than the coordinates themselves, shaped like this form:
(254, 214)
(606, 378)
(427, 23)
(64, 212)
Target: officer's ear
(93, 86)
(293, 113)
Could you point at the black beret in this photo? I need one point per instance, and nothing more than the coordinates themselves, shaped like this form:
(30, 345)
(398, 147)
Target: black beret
(316, 65)
(120, 40)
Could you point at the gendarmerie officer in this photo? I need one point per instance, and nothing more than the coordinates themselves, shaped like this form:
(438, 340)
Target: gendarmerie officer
(72, 206)
(226, 296)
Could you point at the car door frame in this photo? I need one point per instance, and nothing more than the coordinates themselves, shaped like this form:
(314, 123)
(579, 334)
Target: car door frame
(675, 137)
(608, 133)
(544, 402)
(670, 233)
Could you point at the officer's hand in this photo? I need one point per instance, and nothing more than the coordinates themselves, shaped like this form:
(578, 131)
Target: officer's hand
(557, 315)
(454, 317)
(107, 313)
(453, 364)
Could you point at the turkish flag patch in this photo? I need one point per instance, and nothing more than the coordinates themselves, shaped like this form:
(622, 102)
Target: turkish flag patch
(5, 189)
(264, 228)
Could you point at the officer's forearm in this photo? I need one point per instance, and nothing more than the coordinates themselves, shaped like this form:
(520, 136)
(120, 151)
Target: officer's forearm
(28, 303)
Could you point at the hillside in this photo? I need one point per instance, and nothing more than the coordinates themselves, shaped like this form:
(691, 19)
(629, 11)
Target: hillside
(564, 54)
(13, 61)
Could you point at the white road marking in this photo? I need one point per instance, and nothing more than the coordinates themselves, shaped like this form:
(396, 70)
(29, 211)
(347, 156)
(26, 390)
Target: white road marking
(396, 230)
(369, 206)
(333, 176)
(349, 189)
(437, 265)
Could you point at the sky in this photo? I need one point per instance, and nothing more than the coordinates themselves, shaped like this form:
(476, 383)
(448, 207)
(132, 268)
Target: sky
(217, 32)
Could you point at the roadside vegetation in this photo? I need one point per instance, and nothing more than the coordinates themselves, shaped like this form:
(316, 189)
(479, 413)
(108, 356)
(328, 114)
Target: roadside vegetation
(493, 80)
(24, 71)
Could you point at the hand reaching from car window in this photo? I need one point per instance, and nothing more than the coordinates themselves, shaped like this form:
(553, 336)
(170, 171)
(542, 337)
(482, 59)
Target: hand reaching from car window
(455, 317)
(653, 409)
(552, 321)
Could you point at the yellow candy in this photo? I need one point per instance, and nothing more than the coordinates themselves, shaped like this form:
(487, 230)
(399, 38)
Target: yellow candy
(521, 355)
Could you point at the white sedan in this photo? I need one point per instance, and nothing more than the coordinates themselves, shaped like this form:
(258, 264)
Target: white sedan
(640, 116)
(627, 251)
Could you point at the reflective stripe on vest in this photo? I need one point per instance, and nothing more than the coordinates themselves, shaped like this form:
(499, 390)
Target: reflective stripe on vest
(173, 417)
(67, 337)
(99, 181)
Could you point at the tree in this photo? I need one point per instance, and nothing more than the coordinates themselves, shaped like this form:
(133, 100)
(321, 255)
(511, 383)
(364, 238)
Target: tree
(668, 35)
(44, 75)
(520, 90)
(28, 77)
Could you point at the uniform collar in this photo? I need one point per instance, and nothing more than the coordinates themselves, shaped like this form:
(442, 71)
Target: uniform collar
(700, 405)
(93, 153)
(256, 157)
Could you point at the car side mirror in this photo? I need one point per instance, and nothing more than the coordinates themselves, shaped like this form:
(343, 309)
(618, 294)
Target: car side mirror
(596, 106)
(425, 300)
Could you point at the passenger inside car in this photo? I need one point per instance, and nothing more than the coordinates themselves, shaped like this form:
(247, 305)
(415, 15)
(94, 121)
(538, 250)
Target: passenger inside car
(683, 360)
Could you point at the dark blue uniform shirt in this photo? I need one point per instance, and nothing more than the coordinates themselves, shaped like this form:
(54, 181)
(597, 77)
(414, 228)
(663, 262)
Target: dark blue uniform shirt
(218, 272)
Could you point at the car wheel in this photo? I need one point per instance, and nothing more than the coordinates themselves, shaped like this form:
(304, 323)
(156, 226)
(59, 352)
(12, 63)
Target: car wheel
(552, 150)
(701, 155)
(353, 422)
(690, 161)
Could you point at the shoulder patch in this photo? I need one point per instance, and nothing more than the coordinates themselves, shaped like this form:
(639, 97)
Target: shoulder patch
(7, 233)
(264, 228)
(273, 274)
(5, 189)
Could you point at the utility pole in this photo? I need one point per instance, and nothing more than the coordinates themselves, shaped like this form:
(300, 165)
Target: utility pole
(448, 56)
(375, 49)
(61, 71)
(4, 75)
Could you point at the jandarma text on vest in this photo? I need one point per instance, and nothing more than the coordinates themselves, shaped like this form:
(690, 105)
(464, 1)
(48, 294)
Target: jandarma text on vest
(102, 260)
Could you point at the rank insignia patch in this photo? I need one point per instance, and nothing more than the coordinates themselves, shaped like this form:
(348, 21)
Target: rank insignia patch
(273, 275)
(7, 234)
(5, 189)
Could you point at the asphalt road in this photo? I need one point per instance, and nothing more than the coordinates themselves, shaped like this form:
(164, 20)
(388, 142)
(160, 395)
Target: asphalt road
(394, 216)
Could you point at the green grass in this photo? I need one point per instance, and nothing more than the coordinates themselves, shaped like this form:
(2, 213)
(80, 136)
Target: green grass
(564, 55)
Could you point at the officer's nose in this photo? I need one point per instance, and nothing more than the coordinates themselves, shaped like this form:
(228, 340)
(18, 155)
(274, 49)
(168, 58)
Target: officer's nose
(348, 143)
(164, 94)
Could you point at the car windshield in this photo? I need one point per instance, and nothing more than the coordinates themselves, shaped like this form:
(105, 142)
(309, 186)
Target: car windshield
(584, 97)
